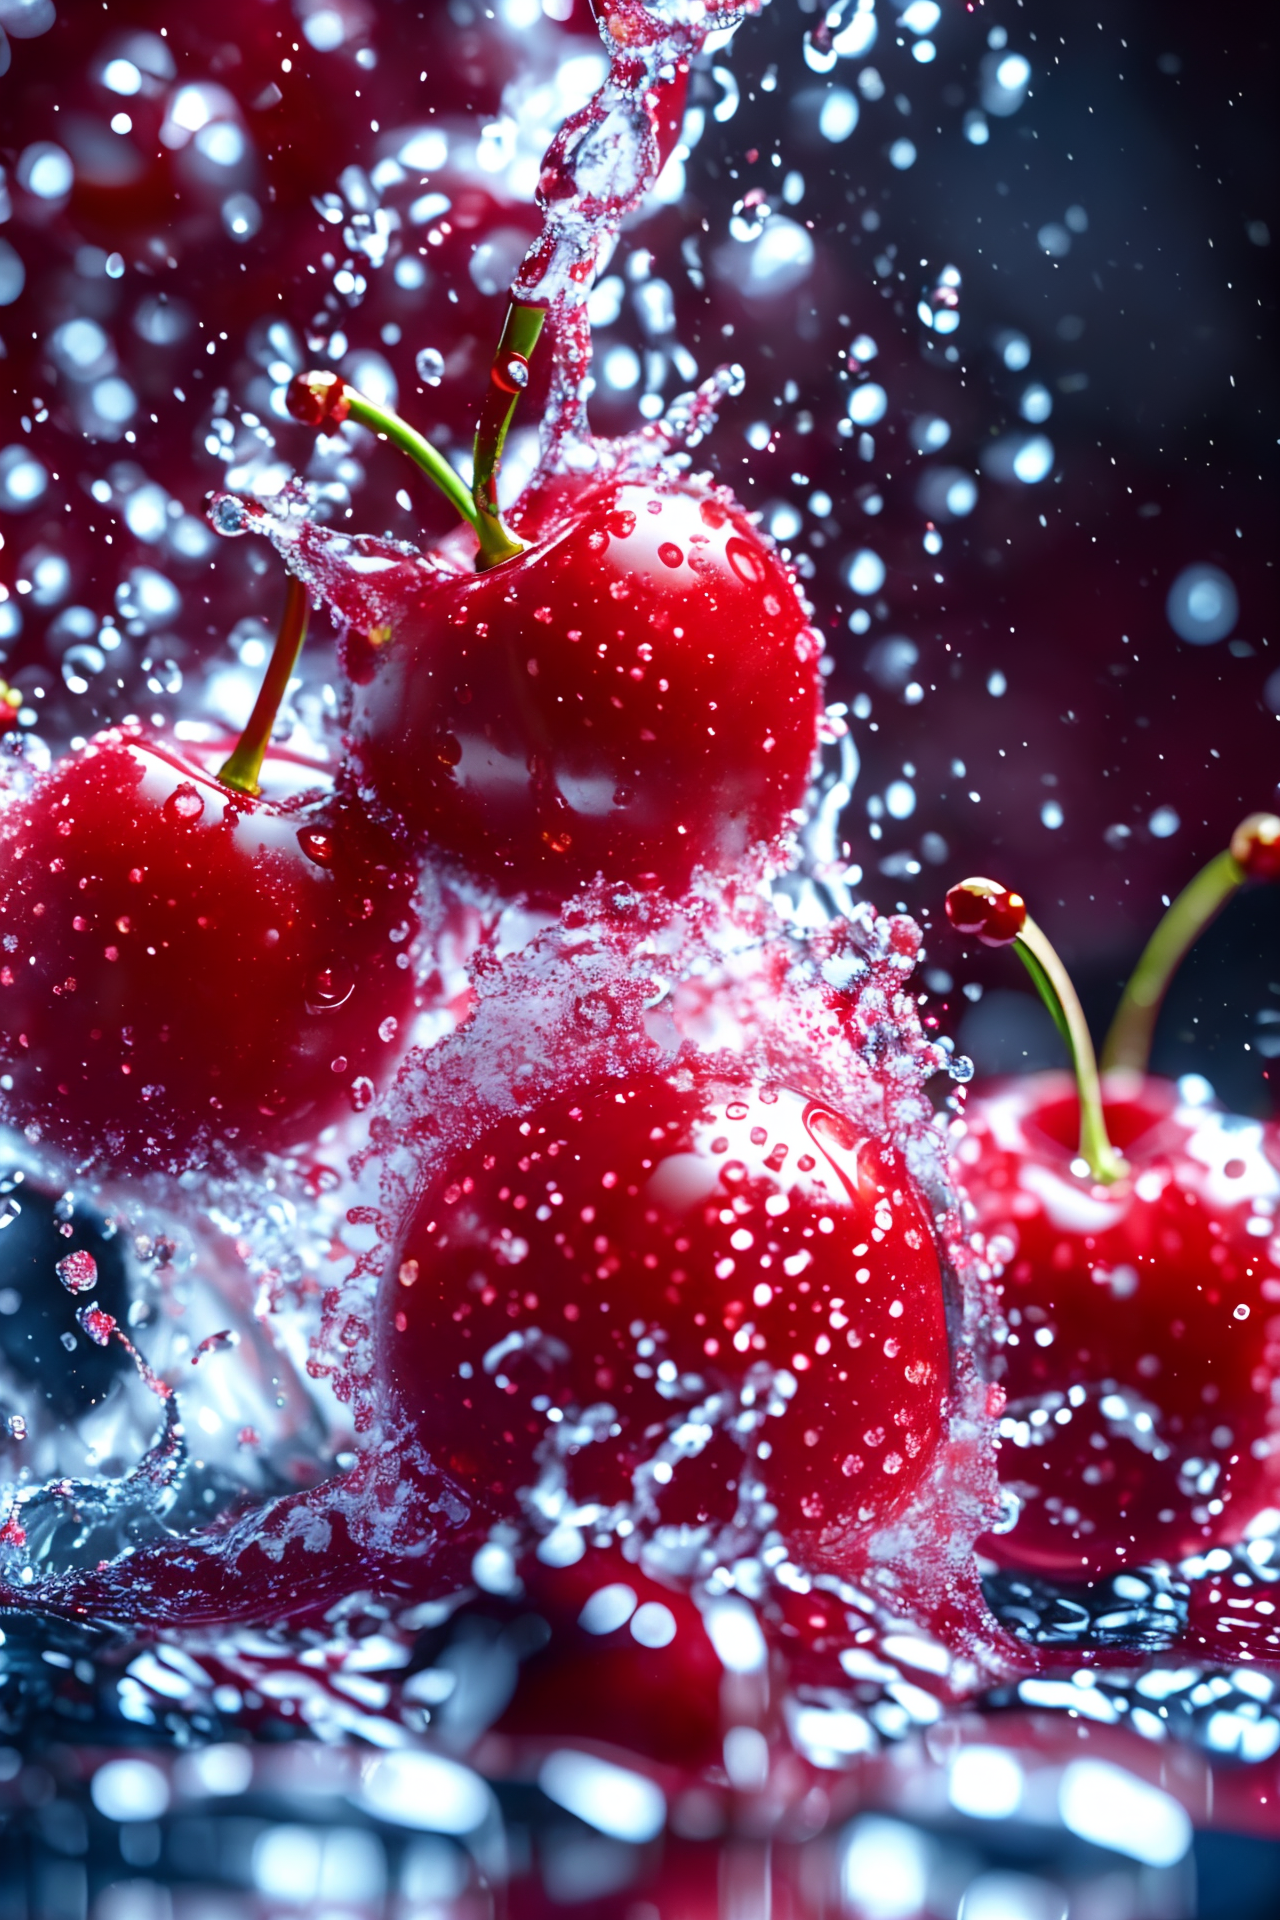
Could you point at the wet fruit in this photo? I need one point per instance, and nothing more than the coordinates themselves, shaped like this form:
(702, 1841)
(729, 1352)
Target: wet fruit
(1144, 1324)
(633, 693)
(691, 1304)
(190, 972)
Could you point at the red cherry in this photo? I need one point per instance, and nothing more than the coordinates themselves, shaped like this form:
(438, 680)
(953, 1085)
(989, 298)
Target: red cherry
(986, 911)
(185, 966)
(1255, 846)
(1143, 1318)
(636, 694)
(627, 1663)
(693, 1299)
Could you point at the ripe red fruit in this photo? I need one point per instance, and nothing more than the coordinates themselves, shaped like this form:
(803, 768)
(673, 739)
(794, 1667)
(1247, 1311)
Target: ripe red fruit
(627, 1663)
(687, 1300)
(189, 972)
(1144, 1324)
(637, 694)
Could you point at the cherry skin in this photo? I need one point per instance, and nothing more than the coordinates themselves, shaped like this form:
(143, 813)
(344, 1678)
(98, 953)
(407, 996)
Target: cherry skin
(1144, 1325)
(188, 972)
(627, 1663)
(692, 1298)
(637, 694)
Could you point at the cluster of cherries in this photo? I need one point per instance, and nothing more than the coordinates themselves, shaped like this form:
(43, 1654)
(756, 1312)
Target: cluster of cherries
(210, 955)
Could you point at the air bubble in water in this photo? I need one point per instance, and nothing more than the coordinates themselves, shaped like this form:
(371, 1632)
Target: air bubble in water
(430, 366)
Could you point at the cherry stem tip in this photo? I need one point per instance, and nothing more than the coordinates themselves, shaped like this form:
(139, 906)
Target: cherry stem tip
(1254, 854)
(998, 917)
(325, 400)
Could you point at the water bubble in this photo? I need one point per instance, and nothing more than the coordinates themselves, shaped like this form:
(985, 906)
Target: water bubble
(947, 493)
(929, 434)
(866, 572)
(121, 76)
(1014, 349)
(424, 151)
(114, 401)
(621, 369)
(1164, 823)
(902, 154)
(80, 664)
(45, 170)
(1036, 404)
(775, 263)
(362, 1092)
(858, 37)
(1202, 605)
(325, 29)
(961, 1068)
(330, 987)
(867, 404)
(23, 480)
(148, 596)
(13, 275)
(1022, 457)
(241, 215)
(429, 365)
(222, 142)
(839, 115)
(231, 516)
(1005, 78)
(184, 805)
(890, 662)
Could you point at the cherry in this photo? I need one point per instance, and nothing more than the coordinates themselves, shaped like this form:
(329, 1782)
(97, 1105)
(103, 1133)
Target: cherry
(635, 692)
(193, 968)
(627, 1663)
(693, 1300)
(1140, 1290)
(1144, 1324)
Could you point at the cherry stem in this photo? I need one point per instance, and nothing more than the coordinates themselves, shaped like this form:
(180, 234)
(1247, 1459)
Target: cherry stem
(989, 912)
(508, 378)
(323, 400)
(1128, 1043)
(243, 766)
(1053, 983)
(390, 426)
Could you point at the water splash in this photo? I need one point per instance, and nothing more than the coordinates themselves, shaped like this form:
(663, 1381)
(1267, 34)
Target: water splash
(596, 172)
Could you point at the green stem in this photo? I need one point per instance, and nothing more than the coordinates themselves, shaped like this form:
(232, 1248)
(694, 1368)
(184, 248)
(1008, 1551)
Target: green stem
(1128, 1044)
(243, 765)
(382, 421)
(1053, 984)
(508, 377)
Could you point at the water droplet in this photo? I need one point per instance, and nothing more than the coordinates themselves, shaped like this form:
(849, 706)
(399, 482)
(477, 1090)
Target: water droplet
(97, 1323)
(389, 1028)
(184, 805)
(78, 1272)
(362, 1090)
(330, 987)
(430, 366)
(317, 845)
(745, 561)
(231, 516)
